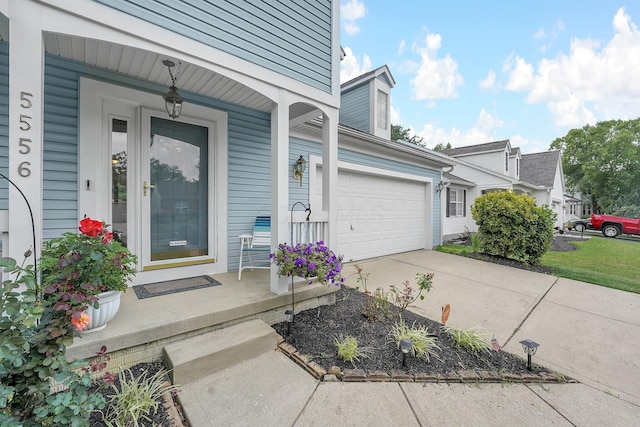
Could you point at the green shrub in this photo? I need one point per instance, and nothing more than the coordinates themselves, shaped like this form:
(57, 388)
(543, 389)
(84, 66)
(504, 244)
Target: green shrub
(469, 339)
(424, 345)
(36, 326)
(513, 226)
(349, 350)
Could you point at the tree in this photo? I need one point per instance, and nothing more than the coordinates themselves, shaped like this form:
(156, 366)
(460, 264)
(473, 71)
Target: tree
(398, 133)
(603, 161)
(440, 146)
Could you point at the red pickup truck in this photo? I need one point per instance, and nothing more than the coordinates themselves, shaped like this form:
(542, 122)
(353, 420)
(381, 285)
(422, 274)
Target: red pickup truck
(612, 226)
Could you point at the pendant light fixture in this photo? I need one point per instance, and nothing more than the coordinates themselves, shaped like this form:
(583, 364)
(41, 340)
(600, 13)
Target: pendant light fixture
(172, 99)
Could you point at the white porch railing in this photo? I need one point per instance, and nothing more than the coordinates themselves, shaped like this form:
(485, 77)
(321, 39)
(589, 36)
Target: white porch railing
(312, 231)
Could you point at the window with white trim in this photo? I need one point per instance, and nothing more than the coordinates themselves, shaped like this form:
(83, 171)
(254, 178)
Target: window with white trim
(456, 202)
(383, 109)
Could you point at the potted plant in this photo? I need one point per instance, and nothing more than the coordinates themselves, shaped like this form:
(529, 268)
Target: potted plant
(88, 269)
(309, 260)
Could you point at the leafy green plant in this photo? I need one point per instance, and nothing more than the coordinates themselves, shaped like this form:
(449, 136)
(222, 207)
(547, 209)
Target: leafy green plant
(87, 263)
(424, 344)
(135, 398)
(475, 243)
(349, 350)
(407, 296)
(469, 339)
(513, 226)
(377, 306)
(36, 326)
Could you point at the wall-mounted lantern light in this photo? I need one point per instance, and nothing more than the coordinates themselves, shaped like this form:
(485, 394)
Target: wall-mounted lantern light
(172, 99)
(299, 168)
(530, 348)
(441, 186)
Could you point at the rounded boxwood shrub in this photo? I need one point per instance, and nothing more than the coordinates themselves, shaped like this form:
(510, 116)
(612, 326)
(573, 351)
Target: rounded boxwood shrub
(513, 226)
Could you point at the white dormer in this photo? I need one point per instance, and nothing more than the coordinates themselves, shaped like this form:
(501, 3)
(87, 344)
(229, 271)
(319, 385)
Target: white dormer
(366, 102)
(514, 163)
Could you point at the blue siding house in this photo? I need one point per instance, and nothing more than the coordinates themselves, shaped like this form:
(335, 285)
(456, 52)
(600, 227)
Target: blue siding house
(86, 129)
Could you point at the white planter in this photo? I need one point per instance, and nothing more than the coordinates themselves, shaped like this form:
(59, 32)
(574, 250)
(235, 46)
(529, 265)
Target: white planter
(98, 318)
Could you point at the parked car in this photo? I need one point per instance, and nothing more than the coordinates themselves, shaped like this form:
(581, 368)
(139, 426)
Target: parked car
(612, 226)
(581, 225)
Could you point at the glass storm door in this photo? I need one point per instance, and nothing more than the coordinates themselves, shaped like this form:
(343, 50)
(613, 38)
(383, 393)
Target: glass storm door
(119, 128)
(176, 190)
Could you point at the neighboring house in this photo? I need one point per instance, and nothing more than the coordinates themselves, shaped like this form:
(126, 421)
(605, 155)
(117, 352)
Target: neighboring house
(544, 170)
(498, 166)
(85, 131)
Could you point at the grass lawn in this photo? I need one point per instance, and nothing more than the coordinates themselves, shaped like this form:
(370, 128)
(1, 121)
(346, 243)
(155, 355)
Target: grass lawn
(613, 263)
(606, 262)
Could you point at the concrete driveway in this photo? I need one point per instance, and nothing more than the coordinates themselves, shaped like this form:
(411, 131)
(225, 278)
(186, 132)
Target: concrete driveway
(587, 332)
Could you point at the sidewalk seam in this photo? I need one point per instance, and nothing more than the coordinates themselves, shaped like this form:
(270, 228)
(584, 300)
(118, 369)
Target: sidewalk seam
(515, 331)
(404, 393)
(550, 405)
(306, 403)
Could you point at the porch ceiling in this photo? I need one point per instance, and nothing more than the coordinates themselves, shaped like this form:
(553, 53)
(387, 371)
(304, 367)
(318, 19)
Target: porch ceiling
(145, 65)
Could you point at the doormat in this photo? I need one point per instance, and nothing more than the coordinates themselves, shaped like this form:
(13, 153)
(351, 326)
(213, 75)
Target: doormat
(174, 286)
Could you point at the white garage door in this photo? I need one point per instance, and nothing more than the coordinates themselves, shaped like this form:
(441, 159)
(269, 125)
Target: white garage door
(379, 215)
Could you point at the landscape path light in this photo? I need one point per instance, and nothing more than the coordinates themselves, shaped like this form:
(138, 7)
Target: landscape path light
(405, 347)
(530, 348)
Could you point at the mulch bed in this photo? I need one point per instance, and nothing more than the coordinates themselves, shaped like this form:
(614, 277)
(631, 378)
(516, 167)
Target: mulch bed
(314, 331)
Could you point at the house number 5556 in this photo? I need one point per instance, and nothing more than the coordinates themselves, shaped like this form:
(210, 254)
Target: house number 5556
(25, 126)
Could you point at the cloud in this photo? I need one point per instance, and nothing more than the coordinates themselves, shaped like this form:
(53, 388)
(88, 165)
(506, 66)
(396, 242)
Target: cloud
(520, 74)
(540, 34)
(484, 130)
(351, 67)
(435, 78)
(489, 81)
(594, 81)
(401, 47)
(394, 116)
(350, 13)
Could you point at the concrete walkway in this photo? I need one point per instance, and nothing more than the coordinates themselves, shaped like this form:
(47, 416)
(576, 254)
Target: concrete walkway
(585, 331)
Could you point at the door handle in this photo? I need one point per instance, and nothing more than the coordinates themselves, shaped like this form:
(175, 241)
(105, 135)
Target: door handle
(146, 186)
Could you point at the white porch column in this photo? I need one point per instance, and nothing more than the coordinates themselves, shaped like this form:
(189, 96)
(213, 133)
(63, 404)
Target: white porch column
(279, 184)
(330, 174)
(26, 82)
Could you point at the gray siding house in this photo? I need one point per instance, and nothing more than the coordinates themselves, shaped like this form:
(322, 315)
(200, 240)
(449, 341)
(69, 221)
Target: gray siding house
(85, 130)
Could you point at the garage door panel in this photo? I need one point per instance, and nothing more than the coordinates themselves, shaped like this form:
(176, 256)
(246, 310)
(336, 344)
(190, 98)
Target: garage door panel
(377, 215)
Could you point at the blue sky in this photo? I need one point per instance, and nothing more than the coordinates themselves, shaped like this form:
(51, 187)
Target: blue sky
(469, 72)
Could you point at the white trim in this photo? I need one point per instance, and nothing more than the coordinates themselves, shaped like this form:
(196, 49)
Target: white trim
(94, 96)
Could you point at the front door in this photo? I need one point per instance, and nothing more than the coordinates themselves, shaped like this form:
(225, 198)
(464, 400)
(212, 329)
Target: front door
(176, 191)
(158, 181)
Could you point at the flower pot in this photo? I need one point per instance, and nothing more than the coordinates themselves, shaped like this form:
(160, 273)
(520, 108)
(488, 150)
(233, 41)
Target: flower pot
(99, 317)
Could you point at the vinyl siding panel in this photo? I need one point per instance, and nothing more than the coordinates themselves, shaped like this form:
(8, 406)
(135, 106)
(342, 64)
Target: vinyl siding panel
(60, 150)
(355, 108)
(290, 37)
(4, 124)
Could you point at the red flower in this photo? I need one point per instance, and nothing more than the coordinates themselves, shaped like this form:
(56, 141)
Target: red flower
(80, 321)
(91, 227)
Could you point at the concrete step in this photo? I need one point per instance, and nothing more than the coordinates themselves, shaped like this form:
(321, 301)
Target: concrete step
(206, 354)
